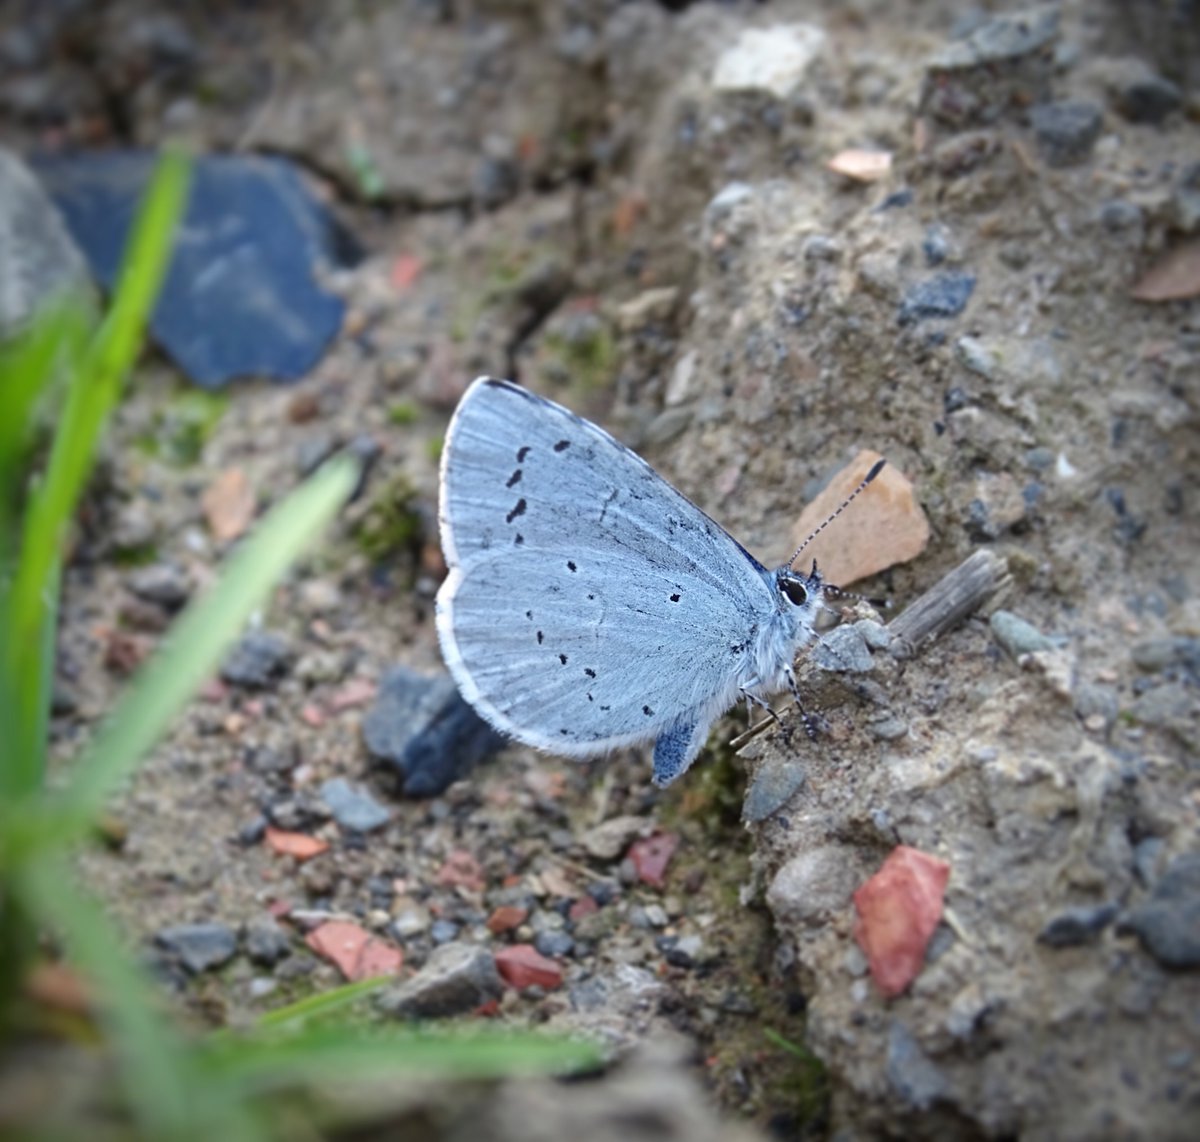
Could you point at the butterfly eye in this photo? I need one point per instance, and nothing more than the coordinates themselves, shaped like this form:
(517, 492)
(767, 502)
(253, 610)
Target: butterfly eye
(795, 591)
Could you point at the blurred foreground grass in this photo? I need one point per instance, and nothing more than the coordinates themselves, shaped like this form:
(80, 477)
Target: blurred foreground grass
(68, 369)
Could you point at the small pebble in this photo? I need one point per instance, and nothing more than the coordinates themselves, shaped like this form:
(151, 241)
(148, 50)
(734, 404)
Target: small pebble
(843, 650)
(162, 583)
(199, 946)
(943, 295)
(266, 942)
(1017, 636)
(554, 943)
(1066, 130)
(257, 660)
(353, 807)
(1076, 926)
(443, 931)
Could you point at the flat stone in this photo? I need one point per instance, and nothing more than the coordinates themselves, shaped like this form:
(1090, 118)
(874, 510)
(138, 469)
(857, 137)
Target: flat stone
(421, 727)
(884, 526)
(770, 61)
(813, 885)
(353, 807)
(199, 946)
(609, 839)
(775, 782)
(456, 978)
(241, 297)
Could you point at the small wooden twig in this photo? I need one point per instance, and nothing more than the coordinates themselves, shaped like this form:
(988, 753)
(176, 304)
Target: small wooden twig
(954, 596)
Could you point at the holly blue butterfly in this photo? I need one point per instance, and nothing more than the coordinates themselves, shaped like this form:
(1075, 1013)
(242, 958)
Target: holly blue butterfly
(589, 605)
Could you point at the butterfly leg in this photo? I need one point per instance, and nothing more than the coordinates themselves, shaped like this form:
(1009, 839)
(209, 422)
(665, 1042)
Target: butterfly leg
(755, 700)
(809, 720)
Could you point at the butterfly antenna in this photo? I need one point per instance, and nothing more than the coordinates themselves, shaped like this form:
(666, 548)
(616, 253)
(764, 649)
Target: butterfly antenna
(876, 468)
(842, 593)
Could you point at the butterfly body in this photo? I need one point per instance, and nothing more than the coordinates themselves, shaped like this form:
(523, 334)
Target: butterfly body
(589, 605)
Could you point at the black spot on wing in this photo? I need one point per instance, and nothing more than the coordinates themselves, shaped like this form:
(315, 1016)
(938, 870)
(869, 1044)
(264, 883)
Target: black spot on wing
(562, 446)
(589, 672)
(514, 479)
(518, 539)
(540, 637)
(647, 711)
(563, 659)
(518, 509)
(675, 598)
(522, 452)
(571, 565)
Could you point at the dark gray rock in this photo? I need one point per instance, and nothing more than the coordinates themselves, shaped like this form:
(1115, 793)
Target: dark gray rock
(773, 785)
(913, 1076)
(266, 942)
(943, 295)
(259, 659)
(1066, 130)
(421, 726)
(1141, 94)
(255, 234)
(199, 946)
(163, 583)
(1077, 925)
(1168, 924)
(353, 807)
(456, 978)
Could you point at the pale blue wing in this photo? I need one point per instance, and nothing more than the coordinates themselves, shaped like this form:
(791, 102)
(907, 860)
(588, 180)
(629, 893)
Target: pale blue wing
(589, 604)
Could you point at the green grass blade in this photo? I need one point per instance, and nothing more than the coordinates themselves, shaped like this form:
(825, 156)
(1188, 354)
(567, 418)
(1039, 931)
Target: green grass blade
(192, 649)
(323, 1054)
(152, 1057)
(92, 391)
(323, 1004)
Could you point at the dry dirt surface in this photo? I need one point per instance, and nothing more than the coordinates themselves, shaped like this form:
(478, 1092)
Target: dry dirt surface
(630, 208)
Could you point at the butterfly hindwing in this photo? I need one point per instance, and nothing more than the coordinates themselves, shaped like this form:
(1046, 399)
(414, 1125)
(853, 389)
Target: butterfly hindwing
(589, 604)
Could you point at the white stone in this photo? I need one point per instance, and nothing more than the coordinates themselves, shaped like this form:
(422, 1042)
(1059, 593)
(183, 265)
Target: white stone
(772, 60)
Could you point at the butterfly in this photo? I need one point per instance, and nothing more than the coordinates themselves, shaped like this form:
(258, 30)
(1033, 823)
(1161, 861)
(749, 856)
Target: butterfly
(589, 605)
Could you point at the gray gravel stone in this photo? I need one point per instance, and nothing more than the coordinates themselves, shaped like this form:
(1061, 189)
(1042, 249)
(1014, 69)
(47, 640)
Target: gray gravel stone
(199, 946)
(1066, 130)
(1156, 654)
(1016, 635)
(163, 583)
(773, 785)
(1077, 925)
(258, 660)
(554, 943)
(943, 295)
(456, 978)
(1168, 924)
(913, 1076)
(266, 942)
(843, 650)
(353, 807)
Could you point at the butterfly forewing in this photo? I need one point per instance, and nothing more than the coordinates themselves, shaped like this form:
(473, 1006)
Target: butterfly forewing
(581, 583)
